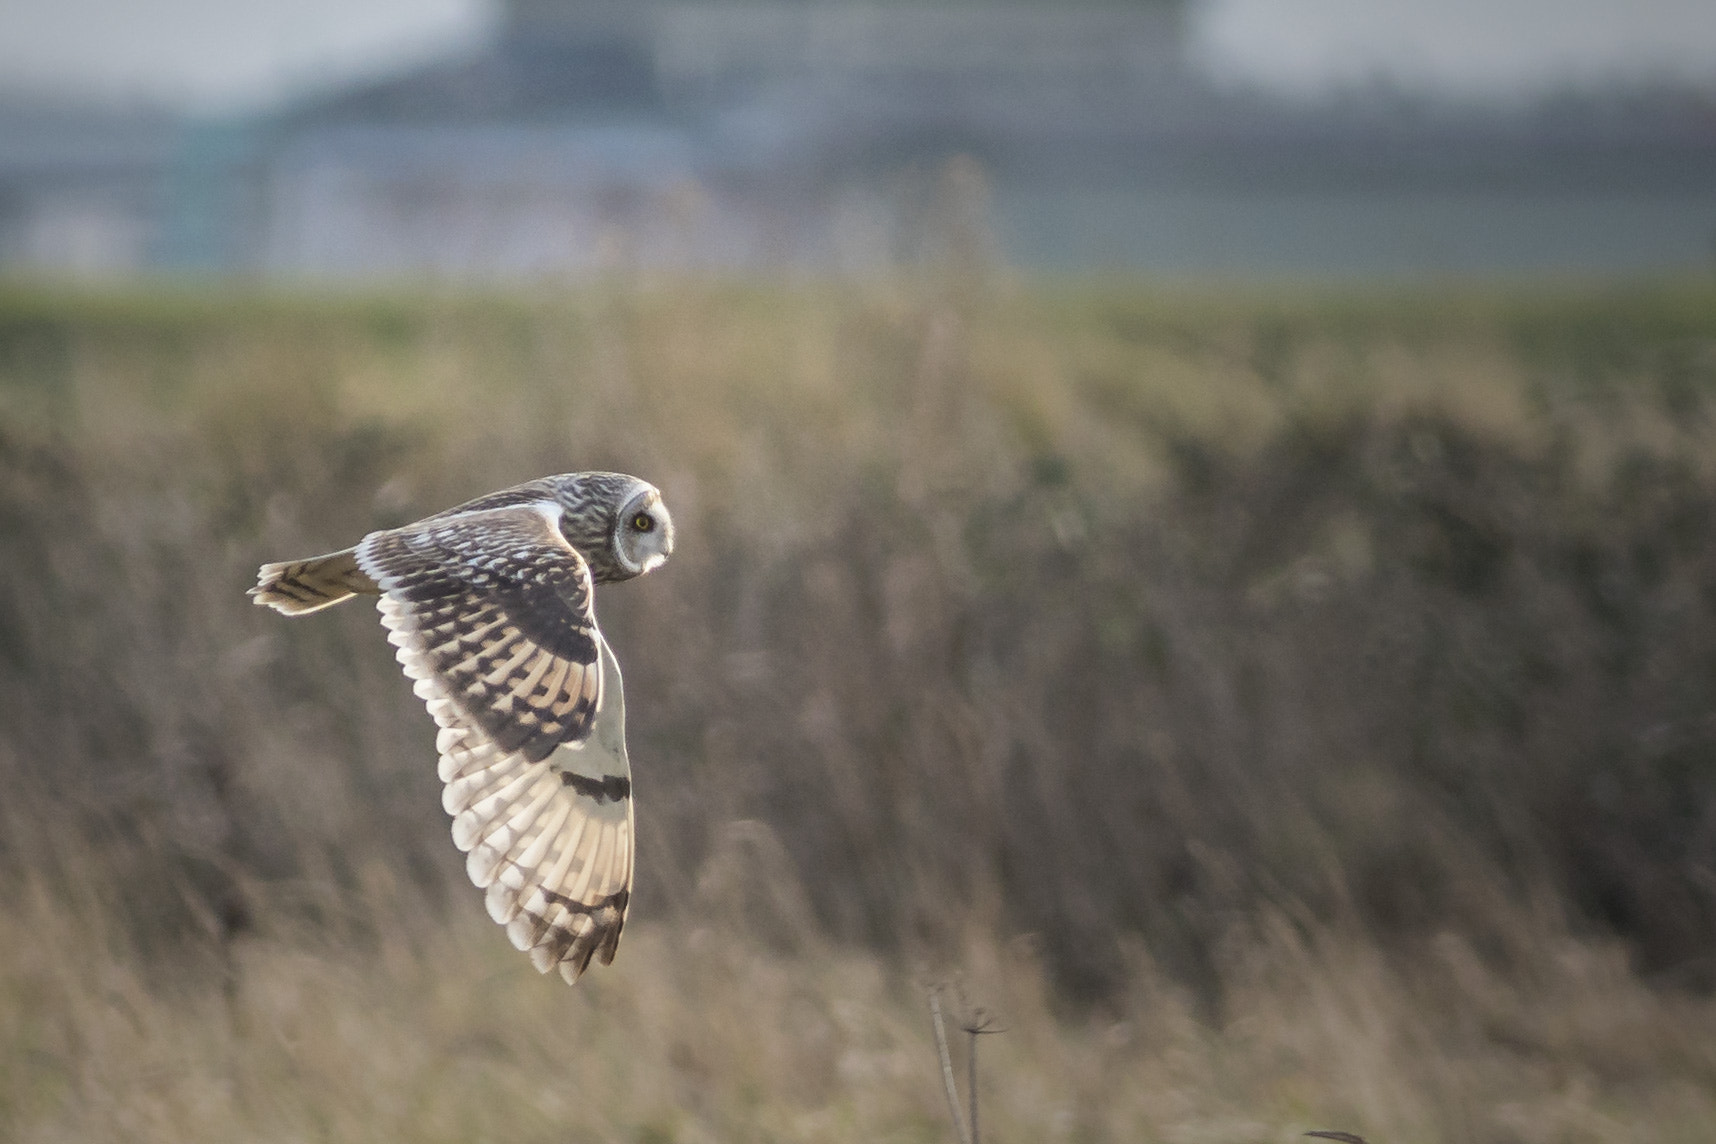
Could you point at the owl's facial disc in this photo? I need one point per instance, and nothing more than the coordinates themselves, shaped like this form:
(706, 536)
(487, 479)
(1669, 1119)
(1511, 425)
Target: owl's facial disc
(643, 532)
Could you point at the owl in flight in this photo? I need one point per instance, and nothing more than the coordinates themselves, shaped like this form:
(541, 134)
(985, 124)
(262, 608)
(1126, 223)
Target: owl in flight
(491, 606)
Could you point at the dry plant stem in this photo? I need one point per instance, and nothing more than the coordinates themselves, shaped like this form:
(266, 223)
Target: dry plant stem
(972, 1031)
(947, 1066)
(979, 1025)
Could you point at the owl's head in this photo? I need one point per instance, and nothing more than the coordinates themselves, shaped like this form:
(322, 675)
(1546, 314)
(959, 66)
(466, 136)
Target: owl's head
(643, 530)
(616, 522)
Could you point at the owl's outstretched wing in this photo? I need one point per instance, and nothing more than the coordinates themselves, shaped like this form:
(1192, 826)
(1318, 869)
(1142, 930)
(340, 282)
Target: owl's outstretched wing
(492, 615)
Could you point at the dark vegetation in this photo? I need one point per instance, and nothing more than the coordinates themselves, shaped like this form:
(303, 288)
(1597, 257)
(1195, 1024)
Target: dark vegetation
(1119, 620)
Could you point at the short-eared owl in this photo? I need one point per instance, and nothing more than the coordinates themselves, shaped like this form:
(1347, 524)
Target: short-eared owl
(492, 608)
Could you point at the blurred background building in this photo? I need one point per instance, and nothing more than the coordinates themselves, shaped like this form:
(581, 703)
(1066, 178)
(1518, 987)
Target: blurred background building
(753, 134)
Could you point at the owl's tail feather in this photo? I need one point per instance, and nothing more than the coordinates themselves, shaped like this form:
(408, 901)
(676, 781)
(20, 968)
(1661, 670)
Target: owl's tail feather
(299, 586)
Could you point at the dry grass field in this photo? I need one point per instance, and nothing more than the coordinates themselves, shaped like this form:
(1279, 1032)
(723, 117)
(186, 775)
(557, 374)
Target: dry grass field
(1279, 711)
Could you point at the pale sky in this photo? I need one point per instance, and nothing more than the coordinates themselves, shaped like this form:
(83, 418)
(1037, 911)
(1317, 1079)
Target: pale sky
(1466, 48)
(220, 55)
(224, 55)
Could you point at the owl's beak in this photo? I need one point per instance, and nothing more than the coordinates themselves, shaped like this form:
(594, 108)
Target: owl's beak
(663, 538)
(666, 519)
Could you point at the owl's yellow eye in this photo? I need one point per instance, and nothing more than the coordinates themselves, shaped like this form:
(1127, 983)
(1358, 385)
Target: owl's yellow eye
(643, 522)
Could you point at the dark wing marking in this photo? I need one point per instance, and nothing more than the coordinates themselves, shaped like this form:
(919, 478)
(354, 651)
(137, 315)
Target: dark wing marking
(498, 610)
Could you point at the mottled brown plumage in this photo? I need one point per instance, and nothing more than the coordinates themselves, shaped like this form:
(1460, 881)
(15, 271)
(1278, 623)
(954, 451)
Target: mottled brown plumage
(491, 606)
